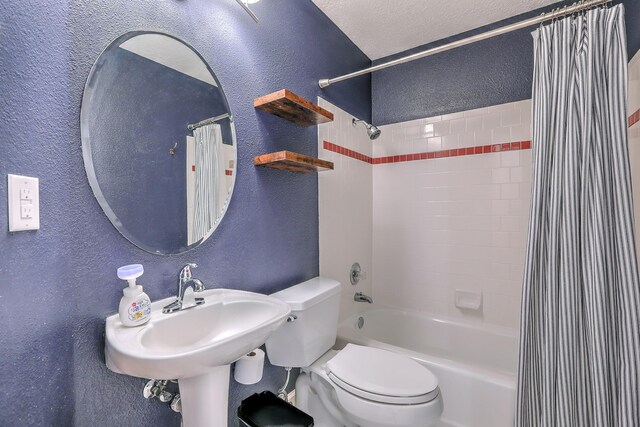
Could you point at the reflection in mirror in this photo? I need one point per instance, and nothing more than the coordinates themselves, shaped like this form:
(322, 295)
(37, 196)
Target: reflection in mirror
(158, 141)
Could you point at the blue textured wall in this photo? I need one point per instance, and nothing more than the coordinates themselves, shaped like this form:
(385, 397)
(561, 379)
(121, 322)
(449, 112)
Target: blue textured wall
(58, 284)
(490, 72)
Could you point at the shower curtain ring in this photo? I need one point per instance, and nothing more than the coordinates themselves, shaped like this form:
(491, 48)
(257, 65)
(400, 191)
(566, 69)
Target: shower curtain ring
(580, 11)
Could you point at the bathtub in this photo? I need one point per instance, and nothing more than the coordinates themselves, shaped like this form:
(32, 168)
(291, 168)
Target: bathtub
(475, 365)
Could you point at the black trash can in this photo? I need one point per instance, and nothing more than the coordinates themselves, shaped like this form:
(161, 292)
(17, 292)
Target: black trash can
(266, 410)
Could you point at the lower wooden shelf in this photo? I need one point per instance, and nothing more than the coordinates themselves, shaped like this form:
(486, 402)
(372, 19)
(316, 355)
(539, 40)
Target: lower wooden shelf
(287, 160)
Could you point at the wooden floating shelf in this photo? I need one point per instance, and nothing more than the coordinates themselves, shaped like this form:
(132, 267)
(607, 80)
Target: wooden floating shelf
(294, 162)
(289, 106)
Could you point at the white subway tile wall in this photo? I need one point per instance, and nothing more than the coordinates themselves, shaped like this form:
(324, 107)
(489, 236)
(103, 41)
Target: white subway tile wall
(634, 139)
(634, 84)
(484, 126)
(455, 222)
(441, 224)
(345, 207)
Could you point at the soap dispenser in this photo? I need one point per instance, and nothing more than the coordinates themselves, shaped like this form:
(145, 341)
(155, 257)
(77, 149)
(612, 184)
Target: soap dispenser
(135, 305)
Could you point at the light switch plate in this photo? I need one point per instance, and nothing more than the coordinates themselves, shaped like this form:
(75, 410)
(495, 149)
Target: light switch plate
(23, 202)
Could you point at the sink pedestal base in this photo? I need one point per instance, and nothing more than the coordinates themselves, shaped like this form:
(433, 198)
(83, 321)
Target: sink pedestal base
(205, 399)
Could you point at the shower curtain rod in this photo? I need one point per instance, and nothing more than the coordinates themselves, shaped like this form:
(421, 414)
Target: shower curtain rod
(555, 14)
(209, 121)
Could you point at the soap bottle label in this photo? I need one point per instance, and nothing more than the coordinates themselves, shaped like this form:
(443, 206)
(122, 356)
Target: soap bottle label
(139, 310)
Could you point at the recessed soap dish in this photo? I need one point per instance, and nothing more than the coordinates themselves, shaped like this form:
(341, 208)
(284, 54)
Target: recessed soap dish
(470, 300)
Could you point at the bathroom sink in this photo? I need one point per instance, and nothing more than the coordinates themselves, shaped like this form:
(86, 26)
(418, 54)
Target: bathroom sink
(195, 346)
(190, 342)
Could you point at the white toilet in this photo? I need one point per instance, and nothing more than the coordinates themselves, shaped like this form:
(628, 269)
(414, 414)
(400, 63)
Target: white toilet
(355, 386)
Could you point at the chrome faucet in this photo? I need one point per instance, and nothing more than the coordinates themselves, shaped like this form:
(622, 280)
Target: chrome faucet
(186, 300)
(360, 297)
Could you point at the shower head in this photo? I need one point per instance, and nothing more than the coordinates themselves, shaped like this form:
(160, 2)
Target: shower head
(373, 131)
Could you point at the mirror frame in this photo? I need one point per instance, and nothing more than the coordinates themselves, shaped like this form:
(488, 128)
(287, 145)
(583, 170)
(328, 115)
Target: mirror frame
(88, 159)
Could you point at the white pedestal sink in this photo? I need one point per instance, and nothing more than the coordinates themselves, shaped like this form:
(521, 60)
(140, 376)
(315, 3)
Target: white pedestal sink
(195, 346)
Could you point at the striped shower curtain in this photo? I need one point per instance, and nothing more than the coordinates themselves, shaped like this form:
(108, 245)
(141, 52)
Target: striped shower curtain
(579, 334)
(206, 207)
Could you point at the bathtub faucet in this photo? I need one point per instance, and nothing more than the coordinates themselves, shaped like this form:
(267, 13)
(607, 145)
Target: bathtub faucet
(360, 297)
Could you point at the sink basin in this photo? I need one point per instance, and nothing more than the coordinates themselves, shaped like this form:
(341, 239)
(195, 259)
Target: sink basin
(195, 346)
(189, 342)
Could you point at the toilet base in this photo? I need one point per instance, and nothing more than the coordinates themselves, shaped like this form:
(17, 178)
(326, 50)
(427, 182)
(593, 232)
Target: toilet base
(308, 400)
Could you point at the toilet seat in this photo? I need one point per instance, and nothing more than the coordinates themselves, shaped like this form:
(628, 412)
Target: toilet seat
(381, 376)
(382, 398)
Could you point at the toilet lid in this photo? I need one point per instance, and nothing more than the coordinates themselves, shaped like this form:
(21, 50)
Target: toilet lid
(382, 375)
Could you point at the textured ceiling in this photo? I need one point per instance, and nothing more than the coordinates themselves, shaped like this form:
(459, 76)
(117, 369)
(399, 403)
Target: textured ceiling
(384, 27)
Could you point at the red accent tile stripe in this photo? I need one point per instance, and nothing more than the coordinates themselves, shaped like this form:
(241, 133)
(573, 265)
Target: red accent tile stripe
(346, 152)
(510, 146)
(228, 172)
(634, 118)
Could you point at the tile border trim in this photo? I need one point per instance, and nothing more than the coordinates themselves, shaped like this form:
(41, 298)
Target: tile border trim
(346, 152)
(455, 152)
(634, 118)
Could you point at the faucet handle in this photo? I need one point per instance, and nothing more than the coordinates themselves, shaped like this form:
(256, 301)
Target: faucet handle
(185, 272)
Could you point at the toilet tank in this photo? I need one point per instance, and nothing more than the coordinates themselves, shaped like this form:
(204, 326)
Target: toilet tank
(315, 304)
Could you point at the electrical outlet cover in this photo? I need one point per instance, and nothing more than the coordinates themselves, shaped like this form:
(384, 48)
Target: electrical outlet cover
(23, 203)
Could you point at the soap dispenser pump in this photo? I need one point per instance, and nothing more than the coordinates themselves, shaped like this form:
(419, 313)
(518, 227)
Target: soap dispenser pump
(135, 305)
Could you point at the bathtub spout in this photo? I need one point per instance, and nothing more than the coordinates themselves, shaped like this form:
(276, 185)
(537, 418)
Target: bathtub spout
(360, 297)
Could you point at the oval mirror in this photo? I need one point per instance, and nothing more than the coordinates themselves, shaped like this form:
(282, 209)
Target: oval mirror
(158, 141)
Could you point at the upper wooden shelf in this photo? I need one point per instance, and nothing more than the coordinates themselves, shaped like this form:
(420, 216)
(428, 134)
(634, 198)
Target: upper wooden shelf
(287, 160)
(289, 106)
